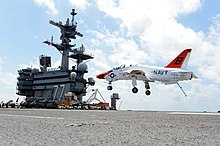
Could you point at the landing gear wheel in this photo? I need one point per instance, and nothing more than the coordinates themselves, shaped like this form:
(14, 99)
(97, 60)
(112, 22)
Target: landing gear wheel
(109, 87)
(147, 92)
(135, 90)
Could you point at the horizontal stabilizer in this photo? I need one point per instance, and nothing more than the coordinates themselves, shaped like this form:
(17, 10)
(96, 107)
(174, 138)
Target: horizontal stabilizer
(166, 82)
(194, 76)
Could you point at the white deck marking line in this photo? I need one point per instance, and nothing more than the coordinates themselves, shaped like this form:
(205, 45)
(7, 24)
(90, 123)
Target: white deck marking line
(193, 113)
(36, 117)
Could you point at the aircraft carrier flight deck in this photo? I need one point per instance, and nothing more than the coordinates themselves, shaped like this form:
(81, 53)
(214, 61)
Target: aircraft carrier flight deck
(101, 127)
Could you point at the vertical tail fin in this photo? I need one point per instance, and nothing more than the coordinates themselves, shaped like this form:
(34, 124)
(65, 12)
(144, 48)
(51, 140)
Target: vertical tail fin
(181, 60)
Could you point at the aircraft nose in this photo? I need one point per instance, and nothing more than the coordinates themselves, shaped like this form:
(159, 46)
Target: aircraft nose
(102, 75)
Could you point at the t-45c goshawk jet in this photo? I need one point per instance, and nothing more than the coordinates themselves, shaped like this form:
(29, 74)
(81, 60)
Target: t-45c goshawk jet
(172, 73)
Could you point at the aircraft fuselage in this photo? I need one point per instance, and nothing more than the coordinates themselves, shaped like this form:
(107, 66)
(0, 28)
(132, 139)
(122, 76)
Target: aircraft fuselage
(149, 74)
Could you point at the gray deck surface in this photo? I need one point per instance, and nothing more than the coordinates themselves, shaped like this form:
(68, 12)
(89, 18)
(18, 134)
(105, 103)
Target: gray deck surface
(22, 127)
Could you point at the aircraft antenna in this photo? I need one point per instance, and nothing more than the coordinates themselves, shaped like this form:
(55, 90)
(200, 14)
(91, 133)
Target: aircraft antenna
(181, 88)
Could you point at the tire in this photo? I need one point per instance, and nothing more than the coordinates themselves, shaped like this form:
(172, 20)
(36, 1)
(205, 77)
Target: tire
(109, 87)
(134, 90)
(147, 92)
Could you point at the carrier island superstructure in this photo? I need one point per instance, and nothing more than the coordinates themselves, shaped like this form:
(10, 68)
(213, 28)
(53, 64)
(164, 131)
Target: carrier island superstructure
(47, 88)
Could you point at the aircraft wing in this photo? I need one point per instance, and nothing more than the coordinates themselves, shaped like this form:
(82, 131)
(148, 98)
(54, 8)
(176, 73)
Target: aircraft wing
(169, 82)
(136, 72)
(140, 74)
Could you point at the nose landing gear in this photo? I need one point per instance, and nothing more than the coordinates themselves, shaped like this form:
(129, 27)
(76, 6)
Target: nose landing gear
(134, 83)
(109, 87)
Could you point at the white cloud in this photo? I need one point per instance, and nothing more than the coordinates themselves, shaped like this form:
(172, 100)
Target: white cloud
(8, 79)
(214, 32)
(127, 52)
(162, 38)
(200, 96)
(211, 72)
(148, 32)
(80, 4)
(1, 62)
(7, 82)
(32, 64)
(154, 22)
(207, 60)
(49, 4)
(119, 50)
(139, 12)
(100, 61)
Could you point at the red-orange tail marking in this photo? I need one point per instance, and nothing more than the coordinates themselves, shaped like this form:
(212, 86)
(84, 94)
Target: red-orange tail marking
(179, 60)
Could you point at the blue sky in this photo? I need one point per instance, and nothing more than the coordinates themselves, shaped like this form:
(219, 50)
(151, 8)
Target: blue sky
(201, 19)
(120, 32)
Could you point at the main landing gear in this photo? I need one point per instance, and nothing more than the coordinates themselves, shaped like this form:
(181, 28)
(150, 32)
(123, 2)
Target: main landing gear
(134, 84)
(147, 92)
(135, 89)
(147, 87)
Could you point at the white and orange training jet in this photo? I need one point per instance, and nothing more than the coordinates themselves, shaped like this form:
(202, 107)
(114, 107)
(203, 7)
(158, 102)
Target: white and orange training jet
(170, 74)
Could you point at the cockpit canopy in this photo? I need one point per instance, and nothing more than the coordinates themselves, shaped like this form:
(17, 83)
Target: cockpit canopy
(120, 67)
